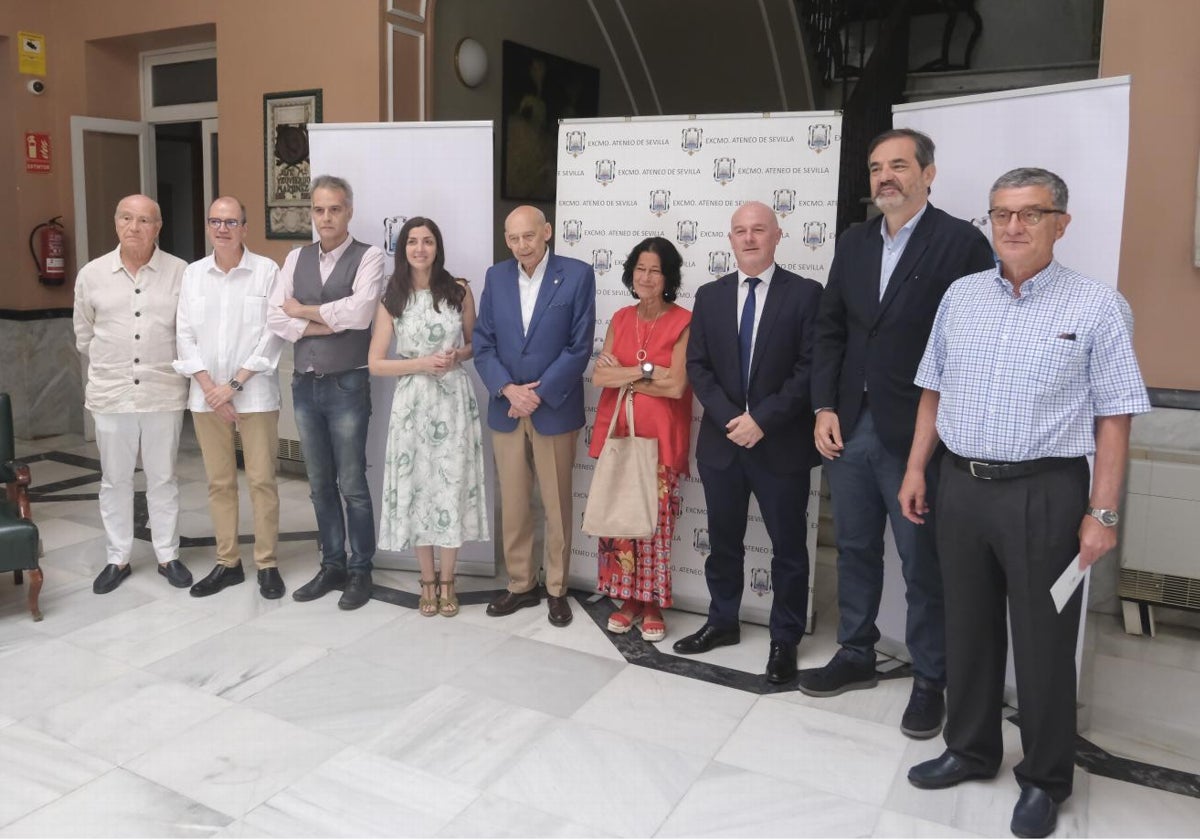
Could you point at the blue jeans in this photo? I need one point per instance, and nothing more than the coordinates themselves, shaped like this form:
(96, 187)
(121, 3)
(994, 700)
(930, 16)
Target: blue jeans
(332, 412)
(865, 482)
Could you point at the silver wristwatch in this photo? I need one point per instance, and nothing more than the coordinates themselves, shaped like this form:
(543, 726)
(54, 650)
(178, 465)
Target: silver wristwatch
(235, 385)
(1107, 518)
(647, 370)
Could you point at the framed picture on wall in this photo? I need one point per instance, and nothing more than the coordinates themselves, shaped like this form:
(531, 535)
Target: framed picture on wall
(285, 144)
(539, 90)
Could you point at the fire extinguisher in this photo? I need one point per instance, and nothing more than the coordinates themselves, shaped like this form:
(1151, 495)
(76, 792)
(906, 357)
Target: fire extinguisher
(50, 255)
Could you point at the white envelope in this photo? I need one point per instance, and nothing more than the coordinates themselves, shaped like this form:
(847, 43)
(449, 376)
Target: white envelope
(1067, 583)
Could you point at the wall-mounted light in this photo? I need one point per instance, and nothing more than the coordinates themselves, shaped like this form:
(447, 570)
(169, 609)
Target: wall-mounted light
(470, 62)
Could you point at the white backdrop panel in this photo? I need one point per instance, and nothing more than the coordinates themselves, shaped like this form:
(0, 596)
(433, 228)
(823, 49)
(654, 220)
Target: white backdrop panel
(620, 181)
(1079, 131)
(398, 170)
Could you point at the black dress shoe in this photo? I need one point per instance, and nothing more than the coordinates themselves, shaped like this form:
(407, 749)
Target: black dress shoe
(843, 673)
(110, 578)
(707, 638)
(218, 579)
(925, 711)
(1035, 814)
(357, 591)
(559, 610)
(270, 584)
(507, 603)
(781, 663)
(326, 580)
(947, 770)
(176, 574)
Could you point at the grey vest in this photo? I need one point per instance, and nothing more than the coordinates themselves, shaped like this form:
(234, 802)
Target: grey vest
(341, 351)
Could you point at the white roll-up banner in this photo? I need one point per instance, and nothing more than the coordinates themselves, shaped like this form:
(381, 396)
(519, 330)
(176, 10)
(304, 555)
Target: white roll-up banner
(1080, 131)
(443, 171)
(622, 180)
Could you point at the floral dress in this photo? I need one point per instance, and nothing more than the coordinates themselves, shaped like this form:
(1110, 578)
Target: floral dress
(433, 479)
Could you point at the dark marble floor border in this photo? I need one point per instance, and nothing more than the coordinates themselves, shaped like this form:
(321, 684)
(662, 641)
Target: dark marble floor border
(632, 647)
(35, 314)
(1174, 398)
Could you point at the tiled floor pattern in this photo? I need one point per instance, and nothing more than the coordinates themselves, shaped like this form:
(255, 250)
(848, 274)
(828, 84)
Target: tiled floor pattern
(146, 712)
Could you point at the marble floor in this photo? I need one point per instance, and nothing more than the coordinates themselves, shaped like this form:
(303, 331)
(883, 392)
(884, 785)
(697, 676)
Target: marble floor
(147, 712)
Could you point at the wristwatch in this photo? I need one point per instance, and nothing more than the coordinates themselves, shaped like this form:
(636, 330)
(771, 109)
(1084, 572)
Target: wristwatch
(1107, 518)
(647, 370)
(235, 385)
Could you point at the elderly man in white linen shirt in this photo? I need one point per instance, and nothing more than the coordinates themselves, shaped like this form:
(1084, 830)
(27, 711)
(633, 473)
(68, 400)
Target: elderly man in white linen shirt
(124, 317)
(230, 354)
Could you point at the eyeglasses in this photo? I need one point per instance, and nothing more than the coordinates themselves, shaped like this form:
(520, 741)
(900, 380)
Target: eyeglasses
(232, 224)
(1029, 217)
(126, 219)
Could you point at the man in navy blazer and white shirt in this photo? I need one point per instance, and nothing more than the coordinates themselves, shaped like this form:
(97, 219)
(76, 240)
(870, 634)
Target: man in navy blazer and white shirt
(748, 358)
(532, 342)
(887, 278)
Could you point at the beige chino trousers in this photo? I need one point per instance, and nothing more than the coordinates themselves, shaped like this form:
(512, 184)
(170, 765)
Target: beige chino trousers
(520, 455)
(260, 447)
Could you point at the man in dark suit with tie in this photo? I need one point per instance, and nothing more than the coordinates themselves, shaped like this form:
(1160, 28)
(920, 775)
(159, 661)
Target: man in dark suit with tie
(886, 281)
(532, 342)
(748, 359)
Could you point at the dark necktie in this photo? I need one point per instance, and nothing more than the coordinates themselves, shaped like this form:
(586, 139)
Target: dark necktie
(746, 334)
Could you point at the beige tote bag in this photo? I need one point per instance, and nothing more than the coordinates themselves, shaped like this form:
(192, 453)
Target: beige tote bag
(623, 499)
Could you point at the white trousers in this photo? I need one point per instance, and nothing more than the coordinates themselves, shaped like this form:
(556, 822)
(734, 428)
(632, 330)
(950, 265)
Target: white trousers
(118, 437)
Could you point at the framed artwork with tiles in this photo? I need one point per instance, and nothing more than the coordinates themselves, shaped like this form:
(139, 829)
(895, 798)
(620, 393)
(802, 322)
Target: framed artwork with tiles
(286, 117)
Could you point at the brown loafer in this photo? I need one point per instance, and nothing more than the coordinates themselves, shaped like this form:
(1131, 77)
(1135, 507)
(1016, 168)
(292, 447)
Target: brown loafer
(560, 610)
(507, 603)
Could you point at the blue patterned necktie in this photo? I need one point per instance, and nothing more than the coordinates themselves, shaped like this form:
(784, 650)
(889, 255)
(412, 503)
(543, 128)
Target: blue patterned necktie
(746, 334)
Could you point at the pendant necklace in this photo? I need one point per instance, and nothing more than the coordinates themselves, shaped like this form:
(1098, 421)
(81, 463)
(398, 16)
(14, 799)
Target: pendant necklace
(641, 353)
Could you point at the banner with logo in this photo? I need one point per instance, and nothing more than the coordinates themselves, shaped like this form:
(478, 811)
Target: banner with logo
(622, 180)
(441, 170)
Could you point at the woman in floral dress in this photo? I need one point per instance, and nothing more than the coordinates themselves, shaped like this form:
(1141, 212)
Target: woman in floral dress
(645, 348)
(433, 481)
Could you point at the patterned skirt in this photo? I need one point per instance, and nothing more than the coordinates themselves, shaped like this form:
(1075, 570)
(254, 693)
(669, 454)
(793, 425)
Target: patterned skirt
(640, 570)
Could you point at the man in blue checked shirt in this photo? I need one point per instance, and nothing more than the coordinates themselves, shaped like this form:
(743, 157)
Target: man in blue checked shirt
(1029, 369)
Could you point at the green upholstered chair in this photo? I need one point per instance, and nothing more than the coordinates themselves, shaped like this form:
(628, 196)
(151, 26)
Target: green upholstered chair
(18, 534)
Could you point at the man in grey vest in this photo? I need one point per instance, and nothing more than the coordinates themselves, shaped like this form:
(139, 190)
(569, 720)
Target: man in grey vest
(324, 303)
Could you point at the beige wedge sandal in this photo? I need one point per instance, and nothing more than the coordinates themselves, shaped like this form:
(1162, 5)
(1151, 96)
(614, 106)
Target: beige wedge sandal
(448, 606)
(428, 606)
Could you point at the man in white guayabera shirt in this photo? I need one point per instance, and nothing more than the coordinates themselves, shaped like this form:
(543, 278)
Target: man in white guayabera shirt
(225, 347)
(125, 305)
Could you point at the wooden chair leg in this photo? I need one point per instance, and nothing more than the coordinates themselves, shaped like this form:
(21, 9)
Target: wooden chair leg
(35, 589)
(17, 578)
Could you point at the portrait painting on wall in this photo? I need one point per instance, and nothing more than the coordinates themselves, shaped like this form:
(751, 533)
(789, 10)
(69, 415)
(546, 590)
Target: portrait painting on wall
(539, 90)
(285, 142)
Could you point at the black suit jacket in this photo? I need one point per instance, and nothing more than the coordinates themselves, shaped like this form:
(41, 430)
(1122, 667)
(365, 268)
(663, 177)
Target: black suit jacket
(780, 370)
(862, 339)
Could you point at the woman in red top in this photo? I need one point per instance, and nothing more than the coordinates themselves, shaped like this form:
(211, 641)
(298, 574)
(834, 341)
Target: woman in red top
(646, 347)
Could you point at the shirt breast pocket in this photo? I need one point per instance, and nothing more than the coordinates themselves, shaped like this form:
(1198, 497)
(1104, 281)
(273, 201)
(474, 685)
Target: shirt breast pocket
(196, 309)
(254, 309)
(1058, 361)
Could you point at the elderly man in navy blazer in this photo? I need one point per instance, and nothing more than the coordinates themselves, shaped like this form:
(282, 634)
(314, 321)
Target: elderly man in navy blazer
(749, 356)
(532, 341)
(886, 281)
